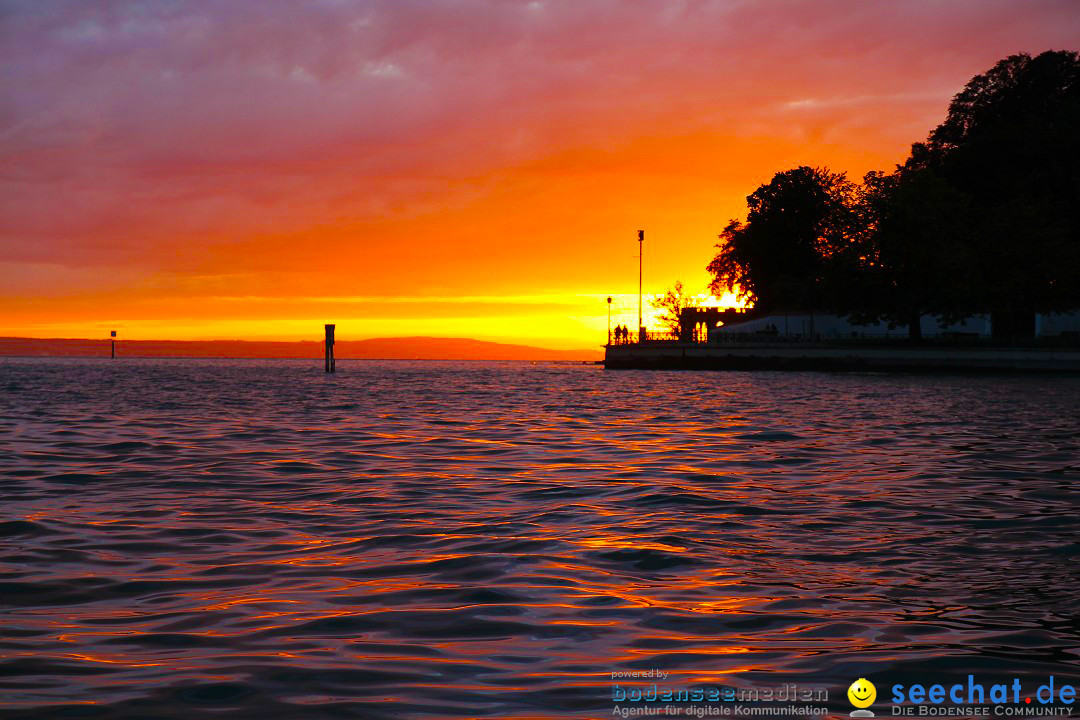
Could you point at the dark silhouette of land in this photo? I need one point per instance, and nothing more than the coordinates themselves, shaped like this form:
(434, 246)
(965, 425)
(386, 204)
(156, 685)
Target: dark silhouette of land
(401, 348)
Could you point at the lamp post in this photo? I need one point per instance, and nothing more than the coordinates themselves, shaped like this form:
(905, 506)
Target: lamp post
(641, 253)
(609, 320)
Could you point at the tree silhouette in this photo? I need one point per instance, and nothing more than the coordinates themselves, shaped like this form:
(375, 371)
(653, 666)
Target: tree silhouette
(1010, 144)
(982, 217)
(671, 304)
(908, 254)
(776, 257)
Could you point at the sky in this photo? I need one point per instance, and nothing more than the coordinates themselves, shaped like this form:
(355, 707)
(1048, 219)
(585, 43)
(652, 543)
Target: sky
(253, 170)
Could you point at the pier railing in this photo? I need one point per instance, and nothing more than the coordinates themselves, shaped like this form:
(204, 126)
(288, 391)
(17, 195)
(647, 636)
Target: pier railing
(651, 338)
(957, 340)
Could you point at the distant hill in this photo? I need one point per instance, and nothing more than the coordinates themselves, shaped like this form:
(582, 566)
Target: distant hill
(402, 348)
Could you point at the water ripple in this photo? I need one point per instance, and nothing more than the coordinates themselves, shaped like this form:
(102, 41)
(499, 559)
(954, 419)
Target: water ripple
(448, 540)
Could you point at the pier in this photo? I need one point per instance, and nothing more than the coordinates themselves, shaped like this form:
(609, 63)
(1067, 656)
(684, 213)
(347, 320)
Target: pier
(863, 355)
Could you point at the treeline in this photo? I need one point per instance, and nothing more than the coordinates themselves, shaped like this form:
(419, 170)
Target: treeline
(982, 217)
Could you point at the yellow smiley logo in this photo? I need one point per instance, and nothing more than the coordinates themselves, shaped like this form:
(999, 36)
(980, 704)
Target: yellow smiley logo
(862, 693)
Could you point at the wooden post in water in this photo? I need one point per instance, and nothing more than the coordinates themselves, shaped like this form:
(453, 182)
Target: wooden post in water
(113, 335)
(330, 365)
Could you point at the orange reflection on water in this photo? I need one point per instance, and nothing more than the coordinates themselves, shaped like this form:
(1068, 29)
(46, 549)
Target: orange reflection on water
(99, 659)
(614, 542)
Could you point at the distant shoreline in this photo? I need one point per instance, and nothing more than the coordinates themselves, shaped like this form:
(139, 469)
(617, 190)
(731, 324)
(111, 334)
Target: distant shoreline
(581, 361)
(401, 348)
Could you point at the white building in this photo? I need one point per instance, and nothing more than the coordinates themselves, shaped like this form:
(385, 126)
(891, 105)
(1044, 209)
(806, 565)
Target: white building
(824, 326)
(1057, 324)
(808, 325)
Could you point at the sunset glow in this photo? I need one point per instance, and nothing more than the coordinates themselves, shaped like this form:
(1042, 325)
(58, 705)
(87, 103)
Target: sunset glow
(470, 170)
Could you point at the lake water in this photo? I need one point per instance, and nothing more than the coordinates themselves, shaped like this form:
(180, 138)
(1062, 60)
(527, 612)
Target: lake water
(255, 539)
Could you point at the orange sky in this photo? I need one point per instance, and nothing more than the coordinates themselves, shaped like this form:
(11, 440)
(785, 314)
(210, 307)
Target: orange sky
(479, 169)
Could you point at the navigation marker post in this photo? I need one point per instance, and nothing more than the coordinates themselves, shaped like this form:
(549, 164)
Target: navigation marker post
(330, 364)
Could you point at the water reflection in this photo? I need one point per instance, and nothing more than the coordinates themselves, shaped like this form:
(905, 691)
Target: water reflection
(493, 540)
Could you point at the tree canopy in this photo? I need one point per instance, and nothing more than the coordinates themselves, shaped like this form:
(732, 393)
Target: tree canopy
(775, 258)
(1010, 143)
